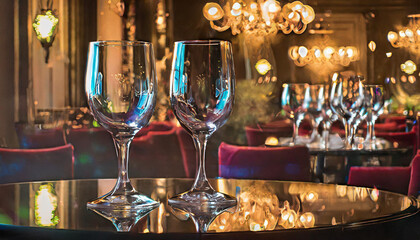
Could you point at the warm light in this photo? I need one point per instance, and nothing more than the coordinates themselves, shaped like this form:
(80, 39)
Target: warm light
(263, 66)
(44, 26)
(402, 34)
(409, 33)
(341, 52)
(393, 80)
(389, 54)
(328, 51)
(307, 219)
(213, 11)
(392, 36)
(408, 67)
(411, 79)
(372, 46)
(253, 6)
(403, 78)
(236, 9)
(251, 18)
(236, 6)
(303, 51)
(334, 77)
(350, 52)
(271, 141)
(317, 53)
(45, 206)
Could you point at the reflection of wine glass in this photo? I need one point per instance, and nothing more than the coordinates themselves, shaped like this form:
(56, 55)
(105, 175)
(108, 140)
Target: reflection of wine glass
(374, 100)
(202, 93)
(346, 100)
(314, 103)
(292, 101)
(121, 92)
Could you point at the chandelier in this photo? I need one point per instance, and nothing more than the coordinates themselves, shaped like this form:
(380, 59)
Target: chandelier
(259, 17)
(407, 37)
(302, 56)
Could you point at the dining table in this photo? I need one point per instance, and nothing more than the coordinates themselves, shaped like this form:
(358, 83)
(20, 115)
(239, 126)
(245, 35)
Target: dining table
(265, 209)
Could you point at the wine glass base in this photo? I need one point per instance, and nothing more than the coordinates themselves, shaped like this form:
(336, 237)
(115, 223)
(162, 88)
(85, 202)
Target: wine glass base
(202, 206)
(129, 203)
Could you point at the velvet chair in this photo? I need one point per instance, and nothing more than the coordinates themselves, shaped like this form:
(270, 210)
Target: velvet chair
(401, 139)
(280, 163)
(405, 180)
(399, 120)
(94, 151)
(155, 126)
(188, 151)
(32, 137)
(256, 135)
(22, 165)
(157, 154)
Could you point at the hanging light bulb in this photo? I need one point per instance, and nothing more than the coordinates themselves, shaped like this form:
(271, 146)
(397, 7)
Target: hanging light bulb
(213, 11)
(45, 26)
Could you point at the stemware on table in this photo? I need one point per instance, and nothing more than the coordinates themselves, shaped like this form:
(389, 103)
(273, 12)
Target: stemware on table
(314, 103)
(201, 94)
(347, 101)
(292, 103)
(121, 92)
(375, 100)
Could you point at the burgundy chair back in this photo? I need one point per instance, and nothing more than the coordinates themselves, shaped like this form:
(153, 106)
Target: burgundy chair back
(188, 151)
(156, 154)
(403, 139)
(22, 165)
(155, 126)
(414, 187)
(31, 137)
(94, 151)
(281, 163)
(399, 120)
(394, 179)
(405, 180)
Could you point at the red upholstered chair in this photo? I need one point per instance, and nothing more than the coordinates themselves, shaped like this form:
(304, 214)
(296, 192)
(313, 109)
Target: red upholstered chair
(256, 135)
(155, 126)
(22, 165)
(405, 180)
(156, 154)
(403, 139)
(94, 151)
(282, 163)
(399, 120)
(32, 137)
(188, 151)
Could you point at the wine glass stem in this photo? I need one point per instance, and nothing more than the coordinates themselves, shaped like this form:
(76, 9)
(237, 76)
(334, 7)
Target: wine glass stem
(201, 182)
(296, 123)
(349, 134)
(372, 129)
(123, 184)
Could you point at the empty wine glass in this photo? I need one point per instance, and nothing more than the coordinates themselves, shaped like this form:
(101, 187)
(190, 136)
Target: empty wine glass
(347, 100)
(201, 93)
(121, 93)
(292, 102)
(374, 99)
(314, 104)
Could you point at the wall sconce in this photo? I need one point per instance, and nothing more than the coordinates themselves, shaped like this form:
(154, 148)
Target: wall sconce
(45, 25)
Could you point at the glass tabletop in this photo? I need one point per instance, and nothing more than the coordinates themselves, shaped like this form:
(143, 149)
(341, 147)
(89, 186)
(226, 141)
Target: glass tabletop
(262, 205)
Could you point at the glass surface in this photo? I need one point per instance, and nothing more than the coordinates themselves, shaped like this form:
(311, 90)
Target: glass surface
(262, 205)
(121, 92)
(347, 101)
(314, 103)
(292, 103)
(201, 94)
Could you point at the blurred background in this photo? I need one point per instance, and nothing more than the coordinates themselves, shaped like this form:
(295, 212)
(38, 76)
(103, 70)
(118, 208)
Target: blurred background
(44, 49)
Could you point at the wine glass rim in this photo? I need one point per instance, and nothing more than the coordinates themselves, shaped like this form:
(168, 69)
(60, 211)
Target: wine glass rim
(373, 85)
(296, 84)
(121, 43)
(202, 42)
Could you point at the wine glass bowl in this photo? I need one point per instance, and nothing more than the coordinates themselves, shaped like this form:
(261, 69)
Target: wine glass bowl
(314, 104)
(347, 101)
(201, 94)
(292, 103)
(121, 93)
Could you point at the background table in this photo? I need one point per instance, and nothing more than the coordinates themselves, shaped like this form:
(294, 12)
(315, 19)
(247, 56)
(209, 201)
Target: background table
(281, 210)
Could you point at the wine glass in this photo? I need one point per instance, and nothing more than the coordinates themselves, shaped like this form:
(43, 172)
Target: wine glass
(347, 101)
(121, 93)
(292, 102)
(375, 100)
(201, 93)
(314, 104)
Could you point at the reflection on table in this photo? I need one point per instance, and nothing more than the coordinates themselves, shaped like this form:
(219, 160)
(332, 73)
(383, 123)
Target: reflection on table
(262, 205)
